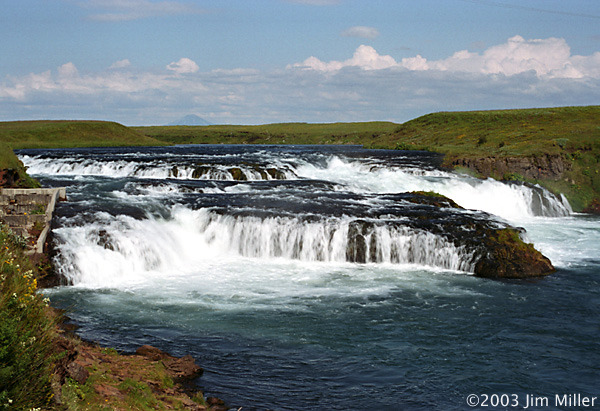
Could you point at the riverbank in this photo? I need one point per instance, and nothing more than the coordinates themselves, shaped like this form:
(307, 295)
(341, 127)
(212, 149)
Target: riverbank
(45, 366)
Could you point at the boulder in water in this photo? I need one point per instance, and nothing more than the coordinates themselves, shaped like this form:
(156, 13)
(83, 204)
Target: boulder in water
(508, 256)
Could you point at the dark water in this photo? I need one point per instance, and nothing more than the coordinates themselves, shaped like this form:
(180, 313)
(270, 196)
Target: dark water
(199, 264)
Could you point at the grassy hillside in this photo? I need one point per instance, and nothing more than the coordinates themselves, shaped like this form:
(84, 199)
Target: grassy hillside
(571, 134)
(12, 170)
(57, 134)
(367, 133)
(503, 132)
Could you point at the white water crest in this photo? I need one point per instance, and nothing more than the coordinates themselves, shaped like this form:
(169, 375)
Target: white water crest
(71, 166)
(117, 251)
(512, 201)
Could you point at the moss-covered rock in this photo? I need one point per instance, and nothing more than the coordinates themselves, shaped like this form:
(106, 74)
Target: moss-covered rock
(508, 256)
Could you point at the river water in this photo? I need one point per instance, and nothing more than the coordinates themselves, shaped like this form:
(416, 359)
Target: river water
(238, 255)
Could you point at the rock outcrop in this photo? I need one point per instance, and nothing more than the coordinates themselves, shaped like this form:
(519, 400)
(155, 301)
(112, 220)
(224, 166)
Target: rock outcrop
(490, 248)
(550, 167)
(508, 256)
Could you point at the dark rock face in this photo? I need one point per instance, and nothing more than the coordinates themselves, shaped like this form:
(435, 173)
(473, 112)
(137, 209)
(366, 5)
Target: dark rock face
(8, 178)
(551, 167)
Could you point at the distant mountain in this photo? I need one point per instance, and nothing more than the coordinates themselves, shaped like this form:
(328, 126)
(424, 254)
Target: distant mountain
(190, 120)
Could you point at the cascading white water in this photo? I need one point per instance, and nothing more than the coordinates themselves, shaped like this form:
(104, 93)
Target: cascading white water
(511, 201)
(122, 250)
(70, 166)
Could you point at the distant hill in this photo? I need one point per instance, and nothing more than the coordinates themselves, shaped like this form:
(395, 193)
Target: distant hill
(190, 120)
(55, 134)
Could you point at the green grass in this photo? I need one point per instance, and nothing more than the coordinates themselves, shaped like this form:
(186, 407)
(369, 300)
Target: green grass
(60, 134)
(366, 133)
(26, 331)
(9, 161)
(505, 133)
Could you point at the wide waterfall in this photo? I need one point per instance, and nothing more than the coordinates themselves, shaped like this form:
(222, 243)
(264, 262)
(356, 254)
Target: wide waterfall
(317, 277)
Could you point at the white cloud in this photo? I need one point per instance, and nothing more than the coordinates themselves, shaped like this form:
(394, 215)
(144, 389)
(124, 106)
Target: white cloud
(547, 58)
(367, 86)
(365, 57)
(120, 64)
(183, 66)
(123, 10)
(361, 32)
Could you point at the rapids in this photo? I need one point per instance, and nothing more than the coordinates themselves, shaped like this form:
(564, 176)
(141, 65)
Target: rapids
(247, 258)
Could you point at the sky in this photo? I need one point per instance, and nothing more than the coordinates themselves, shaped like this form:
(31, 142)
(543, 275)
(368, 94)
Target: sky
(151, 62)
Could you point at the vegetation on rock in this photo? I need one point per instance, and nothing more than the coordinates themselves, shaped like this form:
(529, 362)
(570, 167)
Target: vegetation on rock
(508, 256)
(12, 170)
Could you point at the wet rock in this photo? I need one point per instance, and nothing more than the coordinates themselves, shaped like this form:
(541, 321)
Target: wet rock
(76, 371)
(180, 369)
(183, 368)
(237, 174)
(276, 174)
(200, 170)
(151, 352)
(356, 250)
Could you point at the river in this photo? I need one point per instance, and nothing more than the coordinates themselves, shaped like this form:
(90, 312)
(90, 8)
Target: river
(238, 255)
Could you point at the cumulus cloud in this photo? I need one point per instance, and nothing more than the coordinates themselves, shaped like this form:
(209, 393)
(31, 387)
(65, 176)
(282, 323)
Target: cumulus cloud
(367, 86)
(361, 32)
(365, 57)
(123, 10)
(183, 66)
(547, 58)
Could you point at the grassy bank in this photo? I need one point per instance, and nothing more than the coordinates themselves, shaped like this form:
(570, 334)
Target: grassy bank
(26, 331)
(60, 134)
(12, 170)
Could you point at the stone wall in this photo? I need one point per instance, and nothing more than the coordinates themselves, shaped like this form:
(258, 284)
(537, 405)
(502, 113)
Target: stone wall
(28, 212)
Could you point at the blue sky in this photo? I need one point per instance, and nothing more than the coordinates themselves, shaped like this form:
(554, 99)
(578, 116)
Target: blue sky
(147, 62)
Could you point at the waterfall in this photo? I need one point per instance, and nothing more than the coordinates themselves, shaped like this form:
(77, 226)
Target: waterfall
(117, 247)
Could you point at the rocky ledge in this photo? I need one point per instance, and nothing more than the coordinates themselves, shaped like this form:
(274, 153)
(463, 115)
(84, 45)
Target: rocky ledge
(550, 167)
(499, 252)
(489, 248)
(88, 374)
